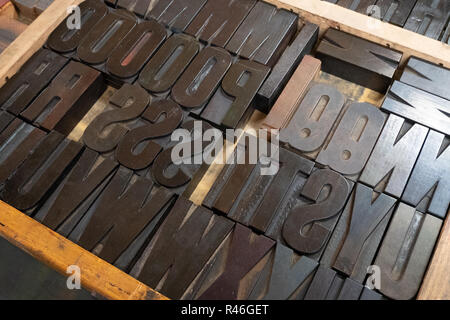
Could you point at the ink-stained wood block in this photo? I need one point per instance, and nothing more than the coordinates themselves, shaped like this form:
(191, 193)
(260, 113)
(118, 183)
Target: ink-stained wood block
(405, 252)
(328, 285)
(395, 12)
(201, 78)
(431, 176)
(27, 83)
(31, 9)
(353, 141)
(139, 7)
(111, 3)
(184, 243)
(427, 77)
(168, 64)
(286, 66)
(418, 106)
(386, 171)
(218, 20)
(232, 100)
(429, 18)
(5, 119)
(10, 29)
(361, 6)
(358, 60)
(357, 236)
(65, 40)
(264, 34)
(176, 14)
(292, 94)
(67, 99)
(286, 276)
(26, 189)
(314, 120)
(98, 44)
(130, 56)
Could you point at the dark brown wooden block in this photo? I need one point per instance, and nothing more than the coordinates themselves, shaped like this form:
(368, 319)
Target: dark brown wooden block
(31, 9)
(395, 12)
(405, 252)
(264, 34)
(67, 99)
(201, 79)
(218, 20)
(65, 40)
(313, 121)
(26, 189)
(139, 7)
(429, 17)
(358, 60)
(418, 106)
(97, 45)
(355, 240)
(286, 276)
(168, 63)
(353, 141)
(428, 77)
(180, 249)
(5, 119)
(125, 111)
(361, 6)
(285, 67)
(394, 156)
(30, 80)
(431, 176)
(176, 14)
(230, 103)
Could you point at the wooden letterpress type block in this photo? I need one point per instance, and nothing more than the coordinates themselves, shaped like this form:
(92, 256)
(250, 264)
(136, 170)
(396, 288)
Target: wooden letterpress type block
(353, 141)
(176, 14)
(184, 243)
(405, 252)
(286, 276)
(123, 217)
(431, 176)
(355, 240)
(27, 83)
(361, 6)
(418, 106)
(264, 34)
(10, 29)
(31, 182)
(65, 40)
(201, 79)
(67, 99)
(131, 101)
(292, 94)
(429, 18)
(231, 102)
(218, 20)
(98, 44)
(139, 7)
(111, 3)
(245, 250)
(285, 67)
(168, 63)
(314, 120)
(135, 50)
(31, 9)
(358, 60)
(394, 156)
(428, 77)
(395, 12)
(5, 119)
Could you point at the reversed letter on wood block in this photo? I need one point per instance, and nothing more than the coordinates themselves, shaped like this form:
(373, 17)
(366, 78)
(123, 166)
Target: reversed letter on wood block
(429, 17)
(395, 12)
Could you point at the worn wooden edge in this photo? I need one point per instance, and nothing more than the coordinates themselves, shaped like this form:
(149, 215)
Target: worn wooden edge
(436, 285)
(328, 15)
(59, 253)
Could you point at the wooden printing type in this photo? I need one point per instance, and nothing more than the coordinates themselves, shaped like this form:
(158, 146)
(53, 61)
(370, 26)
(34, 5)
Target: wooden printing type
(429, 18)
(395, 12)
(184, 248)
(168, 63)
(431, 174)
(27, 83)
(139, 7)
(418, 106)
(358, 60)
(230, 103)
(386, 171)
(218, 20)
(264, 34)
(67, 99)
(5, 119)
(405, 252)
(361, 6)
(357, 236)
(285, 67)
